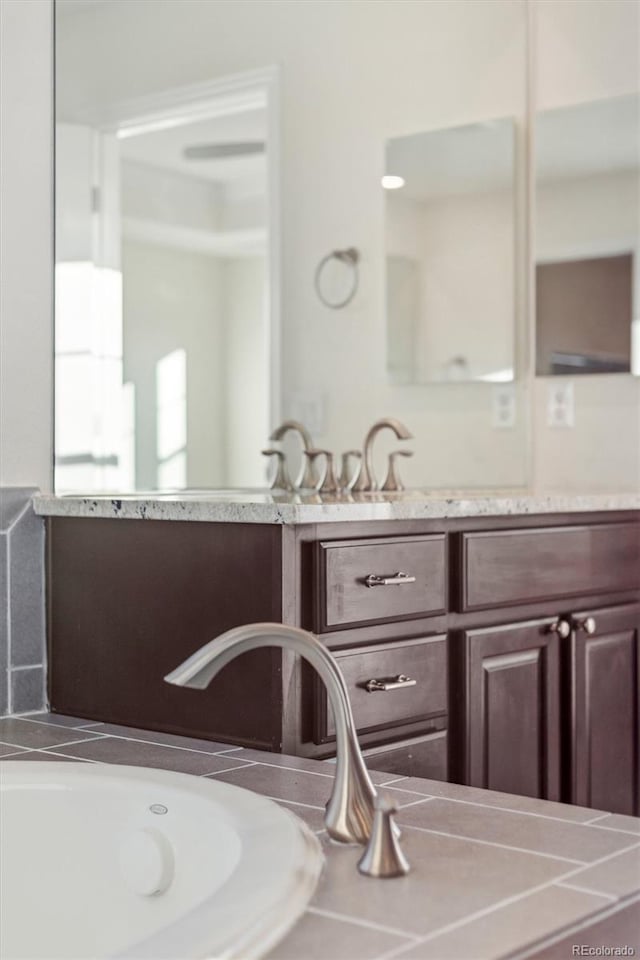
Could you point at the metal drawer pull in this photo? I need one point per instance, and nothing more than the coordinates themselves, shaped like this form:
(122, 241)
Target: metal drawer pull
(392, 683)
(396, 580)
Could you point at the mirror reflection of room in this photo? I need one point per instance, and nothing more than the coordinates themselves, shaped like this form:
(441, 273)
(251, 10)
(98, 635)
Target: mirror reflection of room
(161, 294)
(450, 232)
(587, 238)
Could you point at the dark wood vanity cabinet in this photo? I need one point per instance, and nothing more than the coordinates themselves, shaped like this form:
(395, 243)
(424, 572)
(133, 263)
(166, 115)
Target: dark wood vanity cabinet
(454, 667)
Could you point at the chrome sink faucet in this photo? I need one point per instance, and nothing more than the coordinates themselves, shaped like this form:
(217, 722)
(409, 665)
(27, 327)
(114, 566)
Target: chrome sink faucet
(350, 811)
(366, 480)
(308, 478)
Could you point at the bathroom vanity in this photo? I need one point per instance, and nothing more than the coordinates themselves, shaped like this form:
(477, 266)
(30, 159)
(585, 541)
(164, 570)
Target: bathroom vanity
(487, 640)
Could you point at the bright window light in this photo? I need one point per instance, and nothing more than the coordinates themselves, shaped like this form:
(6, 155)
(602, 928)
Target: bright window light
(171, 419)
(392, 182)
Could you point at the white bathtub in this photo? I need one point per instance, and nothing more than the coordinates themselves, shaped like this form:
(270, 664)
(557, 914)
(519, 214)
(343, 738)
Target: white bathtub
(109, 861)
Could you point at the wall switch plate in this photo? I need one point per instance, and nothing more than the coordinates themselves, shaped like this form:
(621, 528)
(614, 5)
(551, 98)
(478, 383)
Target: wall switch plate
(503, 406)
(560, 405)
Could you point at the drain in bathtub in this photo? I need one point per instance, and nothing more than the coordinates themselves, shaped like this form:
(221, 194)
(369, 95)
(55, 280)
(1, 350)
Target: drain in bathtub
(158, 808)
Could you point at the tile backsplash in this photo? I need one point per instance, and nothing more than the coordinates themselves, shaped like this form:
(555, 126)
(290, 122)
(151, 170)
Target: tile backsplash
(22, 603)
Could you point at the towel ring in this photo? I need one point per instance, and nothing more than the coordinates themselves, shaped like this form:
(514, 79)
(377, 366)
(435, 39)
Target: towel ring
(350, 258)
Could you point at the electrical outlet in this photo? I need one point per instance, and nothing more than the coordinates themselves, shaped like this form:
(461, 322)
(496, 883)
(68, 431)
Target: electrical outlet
(560, 405)
(503, 406)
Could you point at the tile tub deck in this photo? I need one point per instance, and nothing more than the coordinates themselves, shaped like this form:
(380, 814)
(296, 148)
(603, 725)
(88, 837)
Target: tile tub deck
(493, 875)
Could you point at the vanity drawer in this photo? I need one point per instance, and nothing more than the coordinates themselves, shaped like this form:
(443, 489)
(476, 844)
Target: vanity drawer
(345, 568)
(422, 695)
(507, 567)
(424, 757)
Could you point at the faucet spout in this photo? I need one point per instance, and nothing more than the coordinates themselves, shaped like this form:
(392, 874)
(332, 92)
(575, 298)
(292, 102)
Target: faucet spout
(307, 478)
(367, 480)
(350, 810)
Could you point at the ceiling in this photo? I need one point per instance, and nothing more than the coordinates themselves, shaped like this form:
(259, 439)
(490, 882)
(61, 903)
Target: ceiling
(164, 148)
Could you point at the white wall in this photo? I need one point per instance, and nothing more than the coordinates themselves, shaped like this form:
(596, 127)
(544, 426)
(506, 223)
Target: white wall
(464, 246)
(588, 51)
(26, 230)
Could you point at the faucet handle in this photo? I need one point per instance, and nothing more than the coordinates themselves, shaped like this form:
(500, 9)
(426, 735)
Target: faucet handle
(329, 484)
(280, 480)
(346, 480)
(383, 856)
(393, 481)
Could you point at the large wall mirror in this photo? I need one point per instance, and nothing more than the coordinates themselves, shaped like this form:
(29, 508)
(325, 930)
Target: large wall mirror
(210, 155)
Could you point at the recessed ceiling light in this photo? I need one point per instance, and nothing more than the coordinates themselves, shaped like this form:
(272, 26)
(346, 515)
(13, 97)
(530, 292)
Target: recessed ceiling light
(391, 182)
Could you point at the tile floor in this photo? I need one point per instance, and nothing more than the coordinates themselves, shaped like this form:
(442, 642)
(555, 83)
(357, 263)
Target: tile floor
(490, 872)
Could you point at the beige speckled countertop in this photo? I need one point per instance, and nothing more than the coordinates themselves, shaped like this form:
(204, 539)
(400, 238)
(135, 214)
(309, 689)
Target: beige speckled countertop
(493, 875)
(265, 506)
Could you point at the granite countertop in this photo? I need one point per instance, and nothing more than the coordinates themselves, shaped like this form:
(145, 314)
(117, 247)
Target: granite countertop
(265, 506)
(493, 875)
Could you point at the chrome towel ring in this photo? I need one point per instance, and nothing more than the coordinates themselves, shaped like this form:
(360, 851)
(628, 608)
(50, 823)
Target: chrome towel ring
(350, 258)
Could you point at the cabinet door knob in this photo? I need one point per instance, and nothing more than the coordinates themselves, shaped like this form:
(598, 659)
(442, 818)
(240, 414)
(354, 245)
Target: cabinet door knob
(588, 624)
(397, 580)
(561, 627)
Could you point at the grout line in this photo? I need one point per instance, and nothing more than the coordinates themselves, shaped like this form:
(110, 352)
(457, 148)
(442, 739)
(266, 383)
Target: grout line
(9, 685)
(155, 743)
(494, 843)
(247, 763)
(299, 803)
(412, 938)
(85, 726)
(596, 863)
(70, 743)
(19, 517)
(507, 901)
(601, 816)
(280, 766)
(387, 783)
(232, 750)
(496, 809)
(66, 756)
(27, 666)
(414, 803)
(32, 717)
(629, 833)
(16, 753)
(575, 886)
(567, 931)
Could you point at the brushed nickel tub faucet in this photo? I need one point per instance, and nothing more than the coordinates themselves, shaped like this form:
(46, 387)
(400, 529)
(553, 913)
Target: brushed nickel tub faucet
(350, 810)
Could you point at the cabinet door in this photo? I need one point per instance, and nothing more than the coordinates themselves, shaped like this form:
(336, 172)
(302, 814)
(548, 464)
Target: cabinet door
(605, 738)
(510, 735)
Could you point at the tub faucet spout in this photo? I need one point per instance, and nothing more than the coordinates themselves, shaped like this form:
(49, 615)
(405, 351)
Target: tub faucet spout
(350, 810)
